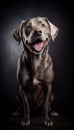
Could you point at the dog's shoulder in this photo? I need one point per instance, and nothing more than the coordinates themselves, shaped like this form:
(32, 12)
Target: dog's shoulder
(21, 60)
(23, 57)
(48, 59)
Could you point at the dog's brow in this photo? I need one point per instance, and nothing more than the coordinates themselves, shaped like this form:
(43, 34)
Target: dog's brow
(39, 22)
(29, 24)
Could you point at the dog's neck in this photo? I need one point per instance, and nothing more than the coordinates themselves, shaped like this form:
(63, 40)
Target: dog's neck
(34, 60)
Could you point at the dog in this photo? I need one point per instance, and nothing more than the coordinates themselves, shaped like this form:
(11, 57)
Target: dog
(35, 68)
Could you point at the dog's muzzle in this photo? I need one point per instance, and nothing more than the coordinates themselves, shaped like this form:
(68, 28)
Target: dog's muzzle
(37, 46)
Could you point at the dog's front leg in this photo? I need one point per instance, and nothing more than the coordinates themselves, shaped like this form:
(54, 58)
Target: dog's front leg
(47, 120)
(26, 118)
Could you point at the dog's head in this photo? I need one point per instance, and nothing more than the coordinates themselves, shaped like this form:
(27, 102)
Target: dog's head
(36, 33)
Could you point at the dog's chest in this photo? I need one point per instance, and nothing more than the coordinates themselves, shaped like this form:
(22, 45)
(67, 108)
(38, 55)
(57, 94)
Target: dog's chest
(35, 90)
(35, 95)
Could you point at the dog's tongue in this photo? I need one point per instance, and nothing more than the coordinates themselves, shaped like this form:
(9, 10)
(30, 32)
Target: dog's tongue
(38, 46)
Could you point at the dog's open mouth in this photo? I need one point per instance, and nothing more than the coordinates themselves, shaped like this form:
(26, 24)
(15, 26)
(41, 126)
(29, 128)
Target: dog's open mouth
(38, 45)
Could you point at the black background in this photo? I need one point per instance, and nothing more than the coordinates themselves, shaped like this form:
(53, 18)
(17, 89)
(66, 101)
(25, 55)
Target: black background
(59, 13)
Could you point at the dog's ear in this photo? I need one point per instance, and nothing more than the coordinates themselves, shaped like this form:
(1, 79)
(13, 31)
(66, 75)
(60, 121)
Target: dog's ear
(53, 28)
(17, 32)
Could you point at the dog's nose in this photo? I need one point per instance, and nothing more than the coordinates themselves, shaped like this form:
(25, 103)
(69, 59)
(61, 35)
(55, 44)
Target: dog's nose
(37, 32)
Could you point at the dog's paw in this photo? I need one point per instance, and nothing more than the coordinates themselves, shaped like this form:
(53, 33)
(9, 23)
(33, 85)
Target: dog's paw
(48, 123)
(25, 123)
(53, 113)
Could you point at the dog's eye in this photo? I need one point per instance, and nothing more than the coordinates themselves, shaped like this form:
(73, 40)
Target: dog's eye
(43, 25)
(28, 29)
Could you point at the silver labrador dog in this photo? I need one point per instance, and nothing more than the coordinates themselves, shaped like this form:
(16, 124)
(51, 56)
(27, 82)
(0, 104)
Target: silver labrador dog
(35, 69)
